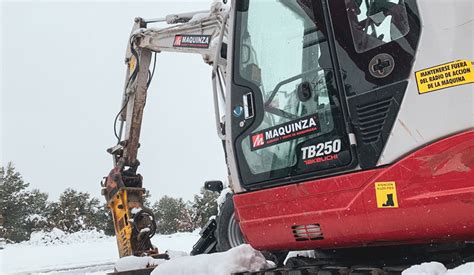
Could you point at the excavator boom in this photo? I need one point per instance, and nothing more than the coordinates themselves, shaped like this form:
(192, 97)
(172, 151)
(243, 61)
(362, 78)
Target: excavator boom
(199, 33)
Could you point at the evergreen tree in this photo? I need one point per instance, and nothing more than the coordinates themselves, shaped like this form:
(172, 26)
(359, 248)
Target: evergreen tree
(23, 211)
(105, 221)
(2, 232)
(92, 217)
(204, 207)
(38, 210)
(75, 211)
(170, 214)
(146, 199)
(13, 204)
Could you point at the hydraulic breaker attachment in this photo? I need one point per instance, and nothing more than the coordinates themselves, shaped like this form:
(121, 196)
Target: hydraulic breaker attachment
(134, 224)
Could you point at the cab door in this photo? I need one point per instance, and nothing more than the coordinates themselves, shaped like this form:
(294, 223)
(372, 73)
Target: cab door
(375, 42)
(288, 110)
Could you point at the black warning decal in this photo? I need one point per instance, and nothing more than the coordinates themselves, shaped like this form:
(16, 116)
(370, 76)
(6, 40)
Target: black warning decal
(192, 41)
(284, 132)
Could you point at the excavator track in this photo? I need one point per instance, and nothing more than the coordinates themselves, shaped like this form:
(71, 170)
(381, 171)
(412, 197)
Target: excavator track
(373, 260)
(363, 261)
(329, 270)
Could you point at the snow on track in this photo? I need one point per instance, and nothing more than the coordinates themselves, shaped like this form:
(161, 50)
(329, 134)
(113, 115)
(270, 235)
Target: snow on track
(435, 268)
(238, 259)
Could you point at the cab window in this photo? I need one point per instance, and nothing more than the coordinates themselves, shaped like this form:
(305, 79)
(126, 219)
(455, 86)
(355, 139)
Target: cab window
(376, 22)
(285, 56)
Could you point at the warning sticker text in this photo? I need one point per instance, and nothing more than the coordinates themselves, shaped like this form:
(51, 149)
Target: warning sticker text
(386, 193)
(444, 76)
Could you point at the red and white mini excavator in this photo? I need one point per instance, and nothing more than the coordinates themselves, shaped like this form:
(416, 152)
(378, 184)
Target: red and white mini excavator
(348, 129)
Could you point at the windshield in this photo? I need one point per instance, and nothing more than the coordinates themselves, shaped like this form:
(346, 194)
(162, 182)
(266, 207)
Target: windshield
(285, 54)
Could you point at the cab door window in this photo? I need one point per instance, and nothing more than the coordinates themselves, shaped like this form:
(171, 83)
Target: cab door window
(376, 43)
(376, 22)
(285, 61)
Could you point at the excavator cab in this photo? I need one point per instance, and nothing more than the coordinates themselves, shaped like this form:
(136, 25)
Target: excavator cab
(323, 152)
(307, 82)
(293, 122)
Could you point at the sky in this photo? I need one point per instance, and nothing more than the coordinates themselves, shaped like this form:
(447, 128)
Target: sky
(62, 76)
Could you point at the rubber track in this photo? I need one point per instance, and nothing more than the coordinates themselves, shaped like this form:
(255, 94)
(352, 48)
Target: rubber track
(329, 270)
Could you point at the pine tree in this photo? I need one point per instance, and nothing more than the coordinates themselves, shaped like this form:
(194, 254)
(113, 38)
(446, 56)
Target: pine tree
(92, 218)
(76, 211)
(170, 214)
(38, 210)
(23, 211)
(204, 207)
(146, 199)
(105, 220)
(13, 204)
(2, 232)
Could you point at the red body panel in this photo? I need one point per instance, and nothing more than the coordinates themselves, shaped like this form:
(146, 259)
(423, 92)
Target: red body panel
(435, 190)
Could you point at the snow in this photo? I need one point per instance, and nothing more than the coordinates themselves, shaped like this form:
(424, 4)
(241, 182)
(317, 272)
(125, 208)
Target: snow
(435, 268)
(302, 253)
(216, 7)
(35, 217)
(146, 229)
(432, 268)
(26, 258)
(134, 263)
(198, 17)
(46, 252)
(91, 252)
(238, 259)
(465, 269)
(135, 210)
(176, 254)
(57, 236)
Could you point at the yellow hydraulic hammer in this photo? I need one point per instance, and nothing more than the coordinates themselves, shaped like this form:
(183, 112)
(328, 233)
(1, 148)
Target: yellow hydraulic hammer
(134, 224)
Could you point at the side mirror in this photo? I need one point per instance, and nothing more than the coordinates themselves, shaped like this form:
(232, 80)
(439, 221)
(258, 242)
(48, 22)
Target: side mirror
(214, 185)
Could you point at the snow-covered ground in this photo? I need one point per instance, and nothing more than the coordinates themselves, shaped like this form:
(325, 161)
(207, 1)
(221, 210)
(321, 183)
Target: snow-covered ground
(79, 253)
(90, 252)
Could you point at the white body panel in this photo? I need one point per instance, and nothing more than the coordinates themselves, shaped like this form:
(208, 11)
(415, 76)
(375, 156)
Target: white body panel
(447, 35)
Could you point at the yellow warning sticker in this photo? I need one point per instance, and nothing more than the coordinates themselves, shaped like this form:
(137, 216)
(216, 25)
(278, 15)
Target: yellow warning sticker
(444, 76)
(386, 193)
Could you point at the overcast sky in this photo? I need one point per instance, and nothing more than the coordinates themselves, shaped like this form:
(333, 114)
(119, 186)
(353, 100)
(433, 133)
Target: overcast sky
(62, 75)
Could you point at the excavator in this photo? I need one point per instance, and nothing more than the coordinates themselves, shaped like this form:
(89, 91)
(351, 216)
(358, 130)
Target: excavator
(347, 127)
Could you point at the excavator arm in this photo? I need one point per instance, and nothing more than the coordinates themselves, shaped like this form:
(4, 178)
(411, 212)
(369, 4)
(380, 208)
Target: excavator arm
(197, 32)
